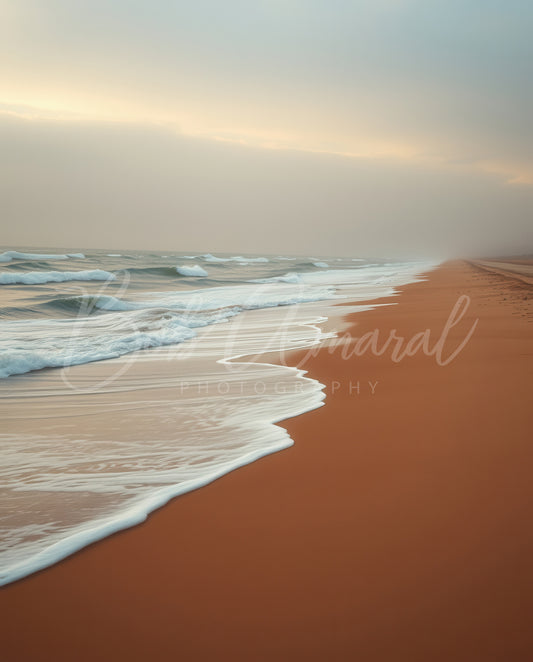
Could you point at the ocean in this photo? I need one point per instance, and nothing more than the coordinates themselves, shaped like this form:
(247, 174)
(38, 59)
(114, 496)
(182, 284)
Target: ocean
(128, 378)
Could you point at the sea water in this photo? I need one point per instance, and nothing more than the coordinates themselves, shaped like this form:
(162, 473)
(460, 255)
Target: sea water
(130, 378)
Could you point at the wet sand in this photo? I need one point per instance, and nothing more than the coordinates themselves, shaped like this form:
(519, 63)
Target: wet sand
(396, 528)
(518, 270)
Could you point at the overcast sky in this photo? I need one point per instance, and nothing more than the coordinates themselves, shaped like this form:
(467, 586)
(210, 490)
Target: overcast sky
(335, 126)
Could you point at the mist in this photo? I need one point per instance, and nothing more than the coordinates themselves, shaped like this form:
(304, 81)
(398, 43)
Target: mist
(82, 184)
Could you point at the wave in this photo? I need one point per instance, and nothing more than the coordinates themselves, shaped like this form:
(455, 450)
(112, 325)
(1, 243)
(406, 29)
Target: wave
(207, 257)
(193, 270)
(169, 272)
(151, 319)
(241, 297)
(166, 447)
(237, 297)
(249, 260)
(310, 265)
(87, 304)
(290, 277)
(68, 342)
(40, 277)
(163, 318)
(140, 472)
(7, 256)
(322, 277)
(24, 266)
(282, 289)
(363, 282)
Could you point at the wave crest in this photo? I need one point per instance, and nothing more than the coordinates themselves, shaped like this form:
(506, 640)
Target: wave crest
(40, 277)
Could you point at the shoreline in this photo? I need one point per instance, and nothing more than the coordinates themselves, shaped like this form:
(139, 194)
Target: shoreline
(402, 536)
(216, 400)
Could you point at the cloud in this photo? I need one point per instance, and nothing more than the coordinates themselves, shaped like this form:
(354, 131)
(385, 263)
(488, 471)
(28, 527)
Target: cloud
(141, 186)
(405, 122)
(443, 81)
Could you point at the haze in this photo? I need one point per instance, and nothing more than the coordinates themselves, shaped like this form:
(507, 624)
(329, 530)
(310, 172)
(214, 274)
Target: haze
(376, 127)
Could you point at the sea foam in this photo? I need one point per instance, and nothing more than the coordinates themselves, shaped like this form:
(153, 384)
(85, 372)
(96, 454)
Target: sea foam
(40, 277)
(236, 258)
(162, 425)
(193, 270)
(290, 277)
(7, 256)
(151, 320)
(64, 343)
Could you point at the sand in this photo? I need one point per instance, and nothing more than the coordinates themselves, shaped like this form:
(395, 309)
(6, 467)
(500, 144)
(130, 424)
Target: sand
(396, 528)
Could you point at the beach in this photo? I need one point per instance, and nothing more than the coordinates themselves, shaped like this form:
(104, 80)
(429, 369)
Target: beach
(396, 528)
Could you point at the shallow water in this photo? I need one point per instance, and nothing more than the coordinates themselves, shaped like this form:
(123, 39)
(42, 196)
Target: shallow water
(157, 382)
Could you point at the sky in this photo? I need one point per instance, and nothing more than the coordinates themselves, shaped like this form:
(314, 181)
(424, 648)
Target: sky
(332, 127)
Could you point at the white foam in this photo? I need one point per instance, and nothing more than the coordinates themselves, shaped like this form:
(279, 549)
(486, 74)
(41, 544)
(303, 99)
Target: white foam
(193, 270)
(211, 258)
(290, 277)
(156, 319)
(141, 473)
(105, 302)
(158, 443)
(40, 277)
(236, 297)
(236, 258)
(371, 275)
(72, 342)
(323, 265)
(15, 255)
(251, 259)
(153, 319)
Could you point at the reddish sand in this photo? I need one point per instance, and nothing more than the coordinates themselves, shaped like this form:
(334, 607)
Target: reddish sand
(398, 528)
